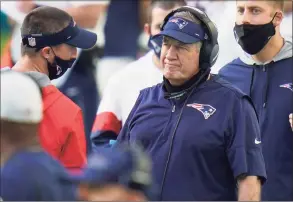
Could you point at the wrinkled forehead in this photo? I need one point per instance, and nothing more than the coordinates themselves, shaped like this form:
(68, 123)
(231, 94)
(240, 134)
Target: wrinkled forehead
(171, 41)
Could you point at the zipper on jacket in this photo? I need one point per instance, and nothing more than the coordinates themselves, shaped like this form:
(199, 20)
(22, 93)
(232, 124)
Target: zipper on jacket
(173, 108)
(266, 86)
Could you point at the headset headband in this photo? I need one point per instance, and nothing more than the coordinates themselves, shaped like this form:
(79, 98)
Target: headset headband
(210, 48)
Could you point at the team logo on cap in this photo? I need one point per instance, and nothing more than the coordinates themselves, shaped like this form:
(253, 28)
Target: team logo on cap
(31, 41)
(206, 110)
(287, 85)
(180, 22)
(59, 70)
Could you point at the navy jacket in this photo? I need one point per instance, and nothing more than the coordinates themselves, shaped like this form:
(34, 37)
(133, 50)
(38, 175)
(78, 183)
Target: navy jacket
(217, 140)
(270, 87)
(35, 176)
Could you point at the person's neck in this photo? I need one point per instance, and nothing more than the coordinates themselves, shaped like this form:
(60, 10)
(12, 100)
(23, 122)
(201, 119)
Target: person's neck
(270, 50)
(9, 150)
(27, 64)
(156, 61)
(6, 153)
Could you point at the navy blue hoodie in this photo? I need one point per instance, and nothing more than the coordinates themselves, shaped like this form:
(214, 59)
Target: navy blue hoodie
(270, 87)
(35, 176)
(217, 140)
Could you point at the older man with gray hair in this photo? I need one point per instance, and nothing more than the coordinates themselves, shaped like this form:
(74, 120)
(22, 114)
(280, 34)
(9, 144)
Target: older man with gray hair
(201, 133)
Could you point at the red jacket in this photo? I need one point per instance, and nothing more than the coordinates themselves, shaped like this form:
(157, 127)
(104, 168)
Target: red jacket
(62, 130)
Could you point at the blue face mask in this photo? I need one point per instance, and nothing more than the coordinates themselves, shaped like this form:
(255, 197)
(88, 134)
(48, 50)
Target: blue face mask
(155, 43)
(58, 67)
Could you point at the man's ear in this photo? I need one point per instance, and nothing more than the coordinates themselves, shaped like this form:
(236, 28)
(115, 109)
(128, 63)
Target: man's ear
(83, 192)
(45, 52)
(147, 29)
(278, 18)
(136, 196)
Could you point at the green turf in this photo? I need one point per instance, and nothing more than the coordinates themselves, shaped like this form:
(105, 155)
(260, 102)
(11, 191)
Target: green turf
(3, 40)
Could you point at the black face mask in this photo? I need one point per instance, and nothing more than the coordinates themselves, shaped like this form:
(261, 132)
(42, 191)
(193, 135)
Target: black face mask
(58, 67)
(253, 38)
(155, 43)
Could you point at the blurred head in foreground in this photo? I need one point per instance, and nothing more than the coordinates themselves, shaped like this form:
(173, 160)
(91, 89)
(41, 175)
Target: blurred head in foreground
(21, 113)
(116, 174)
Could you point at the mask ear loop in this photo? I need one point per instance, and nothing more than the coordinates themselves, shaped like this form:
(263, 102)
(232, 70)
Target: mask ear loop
(274, 17)
(54, 61)
(53, 51)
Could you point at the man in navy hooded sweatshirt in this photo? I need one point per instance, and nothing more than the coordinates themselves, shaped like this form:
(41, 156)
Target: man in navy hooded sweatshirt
(265, 73)
(201, 133)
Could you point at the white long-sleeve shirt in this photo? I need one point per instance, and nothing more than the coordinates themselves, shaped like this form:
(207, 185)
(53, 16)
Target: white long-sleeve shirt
(121, 93)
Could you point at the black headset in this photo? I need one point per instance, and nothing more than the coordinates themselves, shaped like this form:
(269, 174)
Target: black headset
(210, 48)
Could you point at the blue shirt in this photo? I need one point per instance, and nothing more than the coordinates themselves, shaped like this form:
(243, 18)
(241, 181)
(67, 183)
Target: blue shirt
(35, 176)
(217, 140)
(122, 29)
(270, 87)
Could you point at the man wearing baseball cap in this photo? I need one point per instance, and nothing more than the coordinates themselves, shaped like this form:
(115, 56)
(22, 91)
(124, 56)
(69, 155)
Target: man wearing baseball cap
(27, 172)
(201, 133)
(116, 174)
(50, 38)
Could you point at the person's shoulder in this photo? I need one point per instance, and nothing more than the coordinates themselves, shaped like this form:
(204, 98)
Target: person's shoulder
(285, 62)
(27, 162)
(235, 64)
(152, 90)
(36, 170)
(227, 87)
(68, 106)
(150, 94)
(59, 102)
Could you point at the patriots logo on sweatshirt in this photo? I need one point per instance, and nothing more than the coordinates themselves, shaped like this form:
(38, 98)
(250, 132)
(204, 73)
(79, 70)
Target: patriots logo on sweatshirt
(180, 22)
(206, 110)
(287, 85)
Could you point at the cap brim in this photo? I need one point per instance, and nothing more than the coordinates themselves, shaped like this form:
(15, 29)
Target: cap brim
(84, 39)
(90, 177)
(78, 178)
(180, 36)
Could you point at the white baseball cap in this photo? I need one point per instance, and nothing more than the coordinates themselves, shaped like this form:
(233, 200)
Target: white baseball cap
(21, 99)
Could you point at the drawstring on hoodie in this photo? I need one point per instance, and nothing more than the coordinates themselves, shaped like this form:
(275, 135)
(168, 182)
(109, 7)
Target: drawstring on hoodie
(266, 86)
(251, 82)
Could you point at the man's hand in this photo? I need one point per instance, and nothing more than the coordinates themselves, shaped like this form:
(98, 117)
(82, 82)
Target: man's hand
(291, 120)
(249, 189)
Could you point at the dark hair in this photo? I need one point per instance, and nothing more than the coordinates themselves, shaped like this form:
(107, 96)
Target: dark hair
(165, 5)
(43, 20)
(17, 133)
